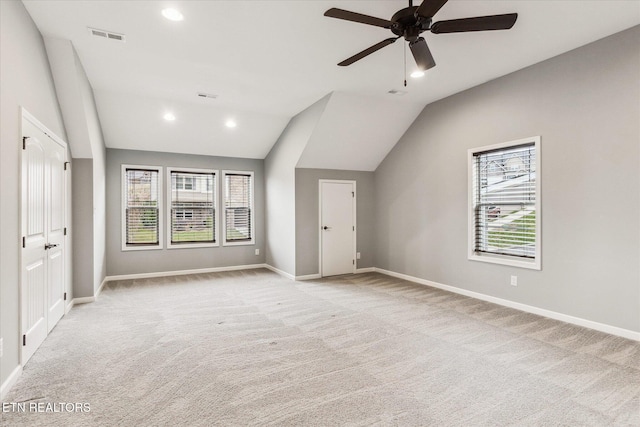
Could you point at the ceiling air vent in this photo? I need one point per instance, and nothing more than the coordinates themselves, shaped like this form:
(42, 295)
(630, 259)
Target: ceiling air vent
(107, 34)
(207, 95)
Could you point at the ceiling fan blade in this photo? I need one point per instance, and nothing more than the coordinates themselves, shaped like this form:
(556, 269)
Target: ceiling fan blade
(368, 51)
(422, 54)
(479, 23)
(428, 8)
(357, 17)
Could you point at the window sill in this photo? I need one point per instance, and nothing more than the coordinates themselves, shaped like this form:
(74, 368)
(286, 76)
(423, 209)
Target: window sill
(192, 245)
(141, 248)
(506, 260)
(242, 243)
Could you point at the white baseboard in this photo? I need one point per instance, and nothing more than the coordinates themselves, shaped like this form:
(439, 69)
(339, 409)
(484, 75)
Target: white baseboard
(280, 272)
(68, 307)
(184, 272)
(309, 277)
(83, 300)
(613, 330)
(101, 286)
(10, 381)
(317, 275)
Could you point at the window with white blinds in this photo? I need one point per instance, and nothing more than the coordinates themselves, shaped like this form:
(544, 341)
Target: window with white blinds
(504, 194)
(192, 207)
(141, 195)
(238, 208)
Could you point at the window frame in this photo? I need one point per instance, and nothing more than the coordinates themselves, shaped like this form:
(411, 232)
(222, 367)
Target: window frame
(509, 260)
(223, 208)
(216, 210)
(123, 209)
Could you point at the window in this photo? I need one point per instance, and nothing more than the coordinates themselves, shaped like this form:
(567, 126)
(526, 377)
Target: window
(238, 208)
(191, 208)
(504, 202)
(141, 199)
(184, 214)
(184, 182)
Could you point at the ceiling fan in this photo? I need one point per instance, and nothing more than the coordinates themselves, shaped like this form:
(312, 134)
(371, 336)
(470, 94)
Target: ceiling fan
(411, 21)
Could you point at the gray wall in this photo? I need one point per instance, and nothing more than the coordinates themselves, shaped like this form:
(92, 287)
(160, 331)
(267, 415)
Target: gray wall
(26, 81)
(307, 221)
(585, 106)
(82, 228)
(99, 190)
(131, 262)
(280, 166)
(81, 121)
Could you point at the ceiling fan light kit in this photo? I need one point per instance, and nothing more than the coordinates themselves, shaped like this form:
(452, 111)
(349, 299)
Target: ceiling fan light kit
(412, 21)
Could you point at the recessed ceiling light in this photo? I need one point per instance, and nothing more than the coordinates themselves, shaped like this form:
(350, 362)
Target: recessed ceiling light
(172, 14)
(417, 74)
(169, 117)
(231, 123)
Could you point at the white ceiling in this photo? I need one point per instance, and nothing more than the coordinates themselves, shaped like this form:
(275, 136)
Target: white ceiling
(269, 60)
(357, 131)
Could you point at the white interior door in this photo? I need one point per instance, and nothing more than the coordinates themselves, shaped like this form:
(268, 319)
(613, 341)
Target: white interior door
(43, 253)
(337, 227)
(34, 239)
(55, 221)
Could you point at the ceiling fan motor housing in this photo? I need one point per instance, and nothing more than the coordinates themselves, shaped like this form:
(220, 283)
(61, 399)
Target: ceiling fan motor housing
(407, 24)
(411, 21)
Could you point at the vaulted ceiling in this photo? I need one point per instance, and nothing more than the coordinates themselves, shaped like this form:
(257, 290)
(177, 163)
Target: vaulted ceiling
(268, 60)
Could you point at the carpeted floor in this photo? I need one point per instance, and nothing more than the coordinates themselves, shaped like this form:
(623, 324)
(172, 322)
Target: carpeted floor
(252, 348)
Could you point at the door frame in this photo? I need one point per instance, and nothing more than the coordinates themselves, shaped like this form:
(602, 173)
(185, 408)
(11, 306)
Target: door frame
(25, 115)
(355, 224)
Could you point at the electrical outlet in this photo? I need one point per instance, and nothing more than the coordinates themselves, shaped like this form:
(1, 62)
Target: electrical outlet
(514, 280)
(257, 251)
(357, 255)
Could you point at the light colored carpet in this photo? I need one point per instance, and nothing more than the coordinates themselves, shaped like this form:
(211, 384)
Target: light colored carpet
(252, 348)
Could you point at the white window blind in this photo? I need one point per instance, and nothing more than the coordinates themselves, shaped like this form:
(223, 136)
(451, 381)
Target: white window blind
(504, 201)
(141, 199)
(238, 207)
(193, 203)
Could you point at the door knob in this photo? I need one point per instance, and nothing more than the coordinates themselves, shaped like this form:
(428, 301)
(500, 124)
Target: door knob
(49, 246)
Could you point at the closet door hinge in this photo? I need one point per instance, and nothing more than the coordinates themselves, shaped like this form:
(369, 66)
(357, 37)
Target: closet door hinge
(24, 245)
(24, 340)
(65, 165)
(24, 142)
(65, 296)
(65, 231)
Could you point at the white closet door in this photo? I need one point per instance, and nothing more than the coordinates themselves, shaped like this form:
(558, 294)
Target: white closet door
(43, 243)
(56, 216)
